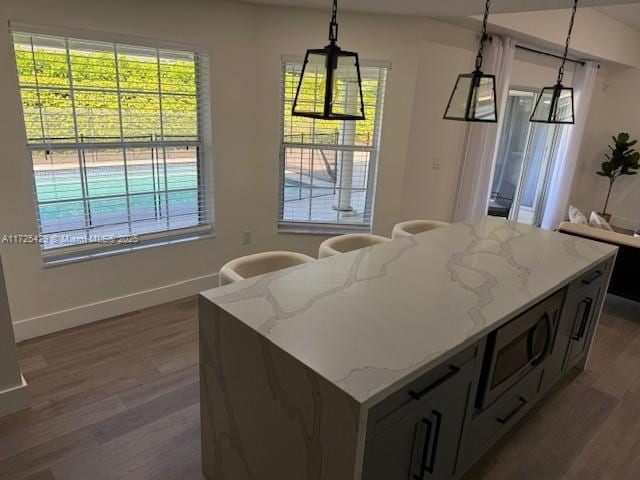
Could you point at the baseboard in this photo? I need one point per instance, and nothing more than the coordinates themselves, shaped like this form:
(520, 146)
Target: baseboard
(14, 399)
(83, 314)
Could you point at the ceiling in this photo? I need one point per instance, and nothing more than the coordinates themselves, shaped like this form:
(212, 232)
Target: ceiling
(440, 8)
(628, 14)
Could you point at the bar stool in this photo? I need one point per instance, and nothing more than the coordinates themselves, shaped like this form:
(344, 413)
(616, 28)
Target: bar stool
(346, 243)
(259, 263)
(412, 227)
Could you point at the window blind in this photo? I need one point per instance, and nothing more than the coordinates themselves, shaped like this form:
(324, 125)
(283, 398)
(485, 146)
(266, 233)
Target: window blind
(328, 168)
(115, 134)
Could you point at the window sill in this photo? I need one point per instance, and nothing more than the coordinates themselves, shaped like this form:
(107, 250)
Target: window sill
(50, 259)
(321, 229)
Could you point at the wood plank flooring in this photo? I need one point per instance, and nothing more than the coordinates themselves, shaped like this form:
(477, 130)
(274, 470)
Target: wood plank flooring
(118, 399)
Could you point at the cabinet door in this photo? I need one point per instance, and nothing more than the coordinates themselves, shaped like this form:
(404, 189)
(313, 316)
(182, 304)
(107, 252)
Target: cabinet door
(583, 307)
(396, 451)
(446, 414)
(586, 309)
(420, 442)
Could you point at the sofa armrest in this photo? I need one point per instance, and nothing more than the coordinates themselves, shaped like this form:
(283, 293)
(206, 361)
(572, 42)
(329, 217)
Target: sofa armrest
(599, 234)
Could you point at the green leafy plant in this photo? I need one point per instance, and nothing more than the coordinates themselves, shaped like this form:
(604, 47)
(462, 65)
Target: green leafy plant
(96, 107)
(97, 110)
(623, 160)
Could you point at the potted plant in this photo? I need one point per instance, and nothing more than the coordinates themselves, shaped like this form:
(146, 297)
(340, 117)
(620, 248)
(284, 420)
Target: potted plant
(622, 161)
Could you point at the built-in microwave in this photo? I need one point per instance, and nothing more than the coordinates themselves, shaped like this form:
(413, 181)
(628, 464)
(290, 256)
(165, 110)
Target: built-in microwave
(518, 347)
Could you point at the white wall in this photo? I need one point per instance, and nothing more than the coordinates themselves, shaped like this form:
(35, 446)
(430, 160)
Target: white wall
(53, 295)
(595, 35)
(436, 146)
(246, 44)
(534, 71)
(374, 37)
(615, 108)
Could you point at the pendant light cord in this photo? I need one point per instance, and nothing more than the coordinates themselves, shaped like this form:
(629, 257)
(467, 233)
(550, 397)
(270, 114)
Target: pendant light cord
(333, 26)
(566, 46)
(484, 35)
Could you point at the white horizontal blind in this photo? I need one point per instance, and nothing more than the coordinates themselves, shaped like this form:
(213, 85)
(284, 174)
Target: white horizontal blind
(114, 133)
(329, 167)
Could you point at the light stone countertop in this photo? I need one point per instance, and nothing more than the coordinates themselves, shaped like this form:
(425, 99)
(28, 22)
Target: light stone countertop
(371, 320)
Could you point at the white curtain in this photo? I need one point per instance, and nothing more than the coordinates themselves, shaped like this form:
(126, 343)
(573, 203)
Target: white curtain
(476, 174)
(566, 155)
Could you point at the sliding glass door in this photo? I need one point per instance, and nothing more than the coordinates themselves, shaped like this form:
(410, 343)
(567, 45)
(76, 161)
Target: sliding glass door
(524, 162)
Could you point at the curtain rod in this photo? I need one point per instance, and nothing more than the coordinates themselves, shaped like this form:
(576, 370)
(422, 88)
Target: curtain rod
(549, 54)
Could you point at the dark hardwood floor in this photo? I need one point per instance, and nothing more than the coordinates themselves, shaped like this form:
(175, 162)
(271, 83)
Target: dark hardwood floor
(118, 399)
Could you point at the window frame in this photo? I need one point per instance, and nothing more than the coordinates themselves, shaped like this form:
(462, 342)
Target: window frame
(205, 229)
(321, 228)
(543, 180)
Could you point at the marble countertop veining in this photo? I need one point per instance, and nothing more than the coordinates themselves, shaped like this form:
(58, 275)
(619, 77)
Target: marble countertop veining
(371, 320)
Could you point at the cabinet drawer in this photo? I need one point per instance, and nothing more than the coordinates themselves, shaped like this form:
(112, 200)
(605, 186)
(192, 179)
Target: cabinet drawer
(486, 427)
(422, 388)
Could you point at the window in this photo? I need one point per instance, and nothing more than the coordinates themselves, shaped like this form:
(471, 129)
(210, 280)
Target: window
(115, 134)
(329, 167)
(524, 161)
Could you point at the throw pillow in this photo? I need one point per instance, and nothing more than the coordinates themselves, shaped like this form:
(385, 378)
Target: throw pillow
(597, 221)
(576, 216)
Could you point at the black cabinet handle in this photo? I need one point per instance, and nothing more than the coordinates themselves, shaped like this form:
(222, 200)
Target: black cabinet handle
(425, 448)
(430, 445)
(593, 277)
(453, 371)
(523, 401)
(418, 464)
(429, 467)
(425, 451)
(587, 302)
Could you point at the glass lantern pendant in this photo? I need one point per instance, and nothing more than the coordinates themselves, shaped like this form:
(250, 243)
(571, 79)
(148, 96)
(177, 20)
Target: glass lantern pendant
(474, 95)
(555, 104)
(330, 86)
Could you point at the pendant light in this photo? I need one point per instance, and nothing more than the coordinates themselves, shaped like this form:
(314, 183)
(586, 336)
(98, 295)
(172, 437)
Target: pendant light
(337, 73)
(474, 95)
(555, 104)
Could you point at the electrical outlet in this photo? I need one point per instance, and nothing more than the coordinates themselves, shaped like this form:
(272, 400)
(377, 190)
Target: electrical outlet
(246, 237)
(436, 162)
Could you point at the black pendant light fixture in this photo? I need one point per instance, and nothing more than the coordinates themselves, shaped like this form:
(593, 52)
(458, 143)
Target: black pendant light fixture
(555, 104)
(338, 73)
(474, 96)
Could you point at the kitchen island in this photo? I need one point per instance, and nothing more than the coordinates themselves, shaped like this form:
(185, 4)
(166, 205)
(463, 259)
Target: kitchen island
(404, 360)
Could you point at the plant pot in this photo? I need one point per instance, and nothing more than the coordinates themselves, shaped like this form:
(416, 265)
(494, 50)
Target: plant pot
(606, 216)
